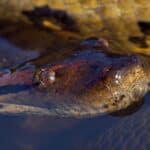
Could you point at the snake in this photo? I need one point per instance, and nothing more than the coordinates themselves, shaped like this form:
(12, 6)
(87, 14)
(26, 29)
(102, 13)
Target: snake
(93, 86)
(86, 84)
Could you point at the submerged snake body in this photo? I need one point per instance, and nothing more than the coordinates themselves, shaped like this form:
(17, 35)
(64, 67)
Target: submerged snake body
(125, 23)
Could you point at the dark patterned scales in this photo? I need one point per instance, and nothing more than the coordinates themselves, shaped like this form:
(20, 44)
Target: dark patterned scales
(120, 21)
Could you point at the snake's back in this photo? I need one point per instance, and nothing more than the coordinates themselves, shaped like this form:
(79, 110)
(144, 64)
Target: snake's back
(125, 23)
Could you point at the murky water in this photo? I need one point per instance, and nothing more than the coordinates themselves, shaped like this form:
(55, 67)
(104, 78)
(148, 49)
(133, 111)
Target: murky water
(28, 132)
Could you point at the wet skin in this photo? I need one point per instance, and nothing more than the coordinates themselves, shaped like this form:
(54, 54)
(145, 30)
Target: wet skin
(87, 83)
(102, 83)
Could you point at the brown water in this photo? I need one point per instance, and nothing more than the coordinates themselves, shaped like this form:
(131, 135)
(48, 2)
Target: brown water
(28, 132)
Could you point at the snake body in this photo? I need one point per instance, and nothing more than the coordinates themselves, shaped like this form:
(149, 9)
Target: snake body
(87, 84)
(125, 23)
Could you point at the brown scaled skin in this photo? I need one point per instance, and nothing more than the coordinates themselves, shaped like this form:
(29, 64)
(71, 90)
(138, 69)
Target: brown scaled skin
(87, 84)
(95, 83)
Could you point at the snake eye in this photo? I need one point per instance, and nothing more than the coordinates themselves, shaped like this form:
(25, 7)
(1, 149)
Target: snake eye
(118, 77)
(52, 76)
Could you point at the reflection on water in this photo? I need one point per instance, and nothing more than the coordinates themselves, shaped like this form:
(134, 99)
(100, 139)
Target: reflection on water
(38, 133)
(32, 132)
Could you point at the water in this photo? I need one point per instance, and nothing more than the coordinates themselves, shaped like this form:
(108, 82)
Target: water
(107, 132)
(31, 132)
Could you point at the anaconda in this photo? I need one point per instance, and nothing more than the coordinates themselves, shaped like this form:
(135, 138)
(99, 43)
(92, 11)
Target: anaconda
(91, 87)
(125, 23)
(89, 83)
